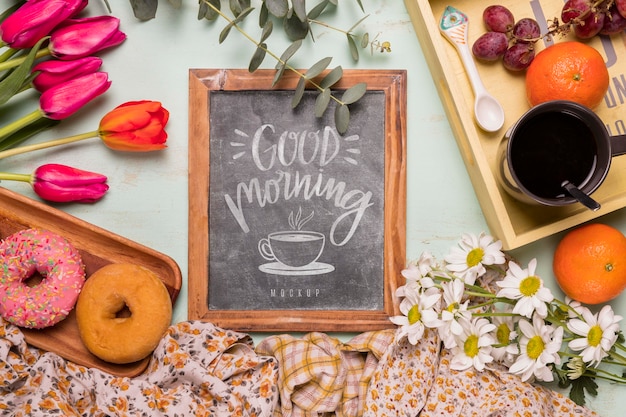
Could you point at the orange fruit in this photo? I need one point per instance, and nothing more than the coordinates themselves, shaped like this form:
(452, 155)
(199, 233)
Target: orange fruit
(590, 263)
(570, 71)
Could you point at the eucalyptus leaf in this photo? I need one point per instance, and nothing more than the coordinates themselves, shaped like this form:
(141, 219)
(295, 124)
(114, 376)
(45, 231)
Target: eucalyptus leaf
(13, 82)
(365, 40)
(144, 9)
(264, 15)
(176, 3)
(332, 77)
(299, 9)
(257, 58)
(289, 52)
(316, 11)
(298, 92)
(277, 8)
(354, 93)
(280, 69)
(244, 13)
(238, 6)
(318, 67)
(334, 2)
(267, 31)
(207, 12)
(294, 27)
(360, 5)
(224, 33)
(357, 23)
(354, 51)
(342, 118)
(26, 132)
(321, 102)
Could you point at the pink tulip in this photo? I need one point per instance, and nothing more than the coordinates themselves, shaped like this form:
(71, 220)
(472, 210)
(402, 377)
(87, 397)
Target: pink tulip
(63, 100)
(77, 38)
(35, 19)
(62, 184)
(54, 72)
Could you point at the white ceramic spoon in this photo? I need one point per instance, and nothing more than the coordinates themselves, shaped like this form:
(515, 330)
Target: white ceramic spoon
(488, 112)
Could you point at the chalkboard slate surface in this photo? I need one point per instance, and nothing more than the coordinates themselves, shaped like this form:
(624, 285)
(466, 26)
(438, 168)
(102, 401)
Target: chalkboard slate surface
(296, 210)
(292, 226)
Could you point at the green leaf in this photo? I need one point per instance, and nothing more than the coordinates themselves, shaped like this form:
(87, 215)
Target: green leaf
(267, 31)
(318, 67)
(277, 8)
(290, 51)
(238, 6)
(579, 386)
(365, 40)
(342, 118)
(280, 69)
(224, 33)
(357, 23)
(354, 93)
(332, 77)
(257, 58)
(26, 132)
(207, 12)
(144, 9)
(298, 93)
(316, 11)
(321, 102)
(334, 2)
(354, 51)
(15, 80)
(294, 27)
(360, 5)
(300, 9)
(264, 15)
(176, 3)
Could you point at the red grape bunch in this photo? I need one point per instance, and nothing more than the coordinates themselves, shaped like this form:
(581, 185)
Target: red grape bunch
(507, 39)
(514, 41)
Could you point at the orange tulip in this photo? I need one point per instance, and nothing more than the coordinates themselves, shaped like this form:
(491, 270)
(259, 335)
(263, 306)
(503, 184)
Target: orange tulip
(135, 126)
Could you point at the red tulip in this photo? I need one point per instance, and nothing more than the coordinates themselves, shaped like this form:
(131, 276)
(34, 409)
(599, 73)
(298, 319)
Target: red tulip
(62, 184)
(63, 100)
(35, 19)
(135, 126)
(54, 72)
(77, 38)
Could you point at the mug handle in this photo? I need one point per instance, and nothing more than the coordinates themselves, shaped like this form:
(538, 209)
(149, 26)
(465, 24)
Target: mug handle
(266, 250)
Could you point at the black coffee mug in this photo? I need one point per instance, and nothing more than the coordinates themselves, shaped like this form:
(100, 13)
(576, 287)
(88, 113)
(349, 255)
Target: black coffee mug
(552, 144)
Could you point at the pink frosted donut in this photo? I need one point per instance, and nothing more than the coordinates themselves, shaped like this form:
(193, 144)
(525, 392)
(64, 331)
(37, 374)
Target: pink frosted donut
(61, 267)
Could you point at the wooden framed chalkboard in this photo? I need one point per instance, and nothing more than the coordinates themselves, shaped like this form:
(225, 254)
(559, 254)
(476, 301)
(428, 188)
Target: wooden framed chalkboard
(293, 226)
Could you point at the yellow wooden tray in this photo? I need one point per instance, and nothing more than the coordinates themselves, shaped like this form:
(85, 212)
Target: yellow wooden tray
(97, 247)
(514, 223)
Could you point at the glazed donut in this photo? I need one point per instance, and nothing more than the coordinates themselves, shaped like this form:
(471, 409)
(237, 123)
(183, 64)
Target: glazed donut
(142, 297)
(61, 267)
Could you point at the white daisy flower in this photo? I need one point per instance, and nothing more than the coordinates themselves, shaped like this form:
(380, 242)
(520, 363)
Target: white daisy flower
(474, 252)
(419, 313)
(416, 278)
(505, 348)
(539, 347)
(473, 345)
(599, 333)
(453, 309)
(527, 288)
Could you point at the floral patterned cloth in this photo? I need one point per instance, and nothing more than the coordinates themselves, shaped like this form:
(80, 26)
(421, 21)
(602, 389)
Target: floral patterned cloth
(417, 380)
(196, 370)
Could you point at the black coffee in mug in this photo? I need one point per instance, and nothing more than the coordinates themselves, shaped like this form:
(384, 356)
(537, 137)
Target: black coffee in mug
(551, 148)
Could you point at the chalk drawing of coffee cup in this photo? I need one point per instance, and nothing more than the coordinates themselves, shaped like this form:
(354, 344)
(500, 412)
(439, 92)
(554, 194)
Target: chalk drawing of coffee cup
(293, 252)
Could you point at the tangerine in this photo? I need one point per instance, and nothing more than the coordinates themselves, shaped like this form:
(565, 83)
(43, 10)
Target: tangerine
(590, 263)
(570, 71)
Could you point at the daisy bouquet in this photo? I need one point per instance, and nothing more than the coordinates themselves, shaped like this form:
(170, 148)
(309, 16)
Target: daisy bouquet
(492, 312)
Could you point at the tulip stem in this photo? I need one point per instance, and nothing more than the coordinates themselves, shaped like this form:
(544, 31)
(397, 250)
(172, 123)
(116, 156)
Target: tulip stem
(9, 176)
(11, 63)
(13, 127)
(8, 54)
(48, 144)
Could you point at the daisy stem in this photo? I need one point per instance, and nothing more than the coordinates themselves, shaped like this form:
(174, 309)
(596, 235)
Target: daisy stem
(619, 357)
(608, 376)
(481, 294)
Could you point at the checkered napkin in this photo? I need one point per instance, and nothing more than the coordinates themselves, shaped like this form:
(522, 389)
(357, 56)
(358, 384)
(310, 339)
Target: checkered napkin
(319, 374)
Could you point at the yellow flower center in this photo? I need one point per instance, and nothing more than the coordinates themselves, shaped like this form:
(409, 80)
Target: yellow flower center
(594, 337)
(535, 347)
(452, 307)
(471, 346)
(502, 333)
(529, 286)
(474, 257)
(414, 314)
